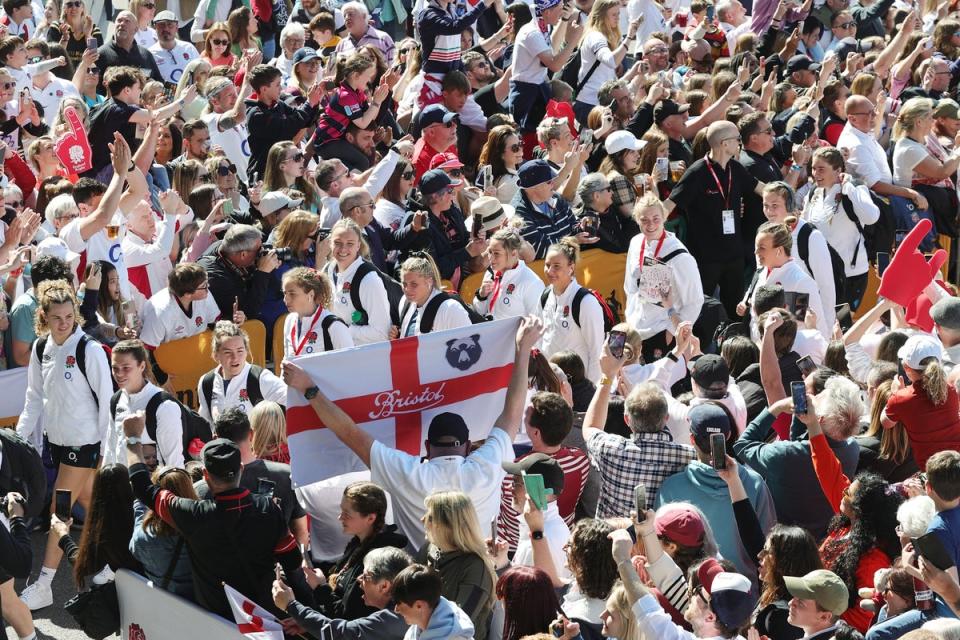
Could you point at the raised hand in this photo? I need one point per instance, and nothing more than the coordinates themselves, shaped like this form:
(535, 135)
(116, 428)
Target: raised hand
(909, 271)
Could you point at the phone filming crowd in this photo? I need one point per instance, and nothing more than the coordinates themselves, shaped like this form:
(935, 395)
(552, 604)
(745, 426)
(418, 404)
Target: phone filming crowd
(750, 431)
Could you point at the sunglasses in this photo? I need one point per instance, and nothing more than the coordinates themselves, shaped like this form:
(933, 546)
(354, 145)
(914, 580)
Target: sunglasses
(515, 147)
(219, 42)
(408, 175)
(297, 157)
(93, 71)
(846, 25)
(149, 6)
(15, 204)
(73, 5)
(9, 85)
(224, 169)
(455, 173)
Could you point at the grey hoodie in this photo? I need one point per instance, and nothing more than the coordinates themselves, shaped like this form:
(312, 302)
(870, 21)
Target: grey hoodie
(447, 622)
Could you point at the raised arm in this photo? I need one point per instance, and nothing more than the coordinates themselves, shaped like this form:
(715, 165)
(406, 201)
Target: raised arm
(531, 328)
(358, 440)
(596, 417)
(120, 159)
(769, 365)
(830, 474)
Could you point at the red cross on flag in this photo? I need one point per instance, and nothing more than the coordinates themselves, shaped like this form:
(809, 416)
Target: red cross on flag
(393, 389)
(253, 621)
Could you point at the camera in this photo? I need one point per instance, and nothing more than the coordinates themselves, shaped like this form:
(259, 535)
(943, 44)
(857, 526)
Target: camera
(284, 254)
(6, 501)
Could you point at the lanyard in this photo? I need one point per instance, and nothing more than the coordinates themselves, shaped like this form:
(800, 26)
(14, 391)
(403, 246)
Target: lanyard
(726, 197)
(656, 251)
(497, 281)
(293, 331)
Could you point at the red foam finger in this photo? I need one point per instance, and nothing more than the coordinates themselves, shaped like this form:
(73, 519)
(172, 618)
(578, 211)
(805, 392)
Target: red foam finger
(912, 242)
(73, 119)
(936, 261)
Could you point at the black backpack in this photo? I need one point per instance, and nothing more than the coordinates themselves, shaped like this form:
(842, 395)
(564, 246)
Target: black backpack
(571, 71)
(325, 325)
(433, 305)
(196, 430)
(254, 394)
(836, 262)
(81, 356)
(610, 319)
(22, 471)
(394, 292)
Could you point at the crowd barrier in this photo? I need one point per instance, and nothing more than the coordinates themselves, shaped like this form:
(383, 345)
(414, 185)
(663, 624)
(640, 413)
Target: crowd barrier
(149, 613)
(14, 385)
(188, 359)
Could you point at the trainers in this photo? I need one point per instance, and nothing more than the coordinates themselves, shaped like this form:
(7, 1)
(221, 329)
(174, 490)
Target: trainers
(105, 576)
(37, 596)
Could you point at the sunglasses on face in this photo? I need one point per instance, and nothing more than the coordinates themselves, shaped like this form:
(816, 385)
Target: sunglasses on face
(224, 169)
(515, 147)
(297, 157)
(93, 71)
(73, 5)
(846, 25)
(455, 173)
(8, 85)
(149, 6)
(219, 42)
(408, 175)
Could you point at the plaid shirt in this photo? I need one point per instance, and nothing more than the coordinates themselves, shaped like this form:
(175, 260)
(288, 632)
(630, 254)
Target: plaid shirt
(623, 191)
(648, 458)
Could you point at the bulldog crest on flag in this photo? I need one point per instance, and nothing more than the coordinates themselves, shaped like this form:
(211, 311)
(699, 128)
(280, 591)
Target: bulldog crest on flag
(393, 389)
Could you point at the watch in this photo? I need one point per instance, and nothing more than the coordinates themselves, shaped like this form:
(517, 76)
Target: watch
(536, 535)
(605, 380)
(132, 441)
(311, 393)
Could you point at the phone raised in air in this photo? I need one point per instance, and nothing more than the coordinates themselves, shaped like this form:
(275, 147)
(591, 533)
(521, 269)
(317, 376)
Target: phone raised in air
(806, 365)
(63, 504)
(718, 451)
(617, 340)
(883, 261)
(799, 393)
(307, 558)
(266, 487)
(477, 225)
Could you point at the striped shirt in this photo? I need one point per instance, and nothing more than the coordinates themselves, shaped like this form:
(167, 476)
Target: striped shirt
(546, 223)
(346, 105)
(648, 458)
(575, 466)
(375, 37)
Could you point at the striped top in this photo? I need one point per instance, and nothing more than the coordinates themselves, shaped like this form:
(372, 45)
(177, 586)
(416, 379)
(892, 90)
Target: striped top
(346, 105)
(575, 465)
(440, 36)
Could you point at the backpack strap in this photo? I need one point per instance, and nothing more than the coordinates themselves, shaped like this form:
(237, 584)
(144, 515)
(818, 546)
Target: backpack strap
(673, 254)
(81, 356)
(362, 270)
(206, 388)
(404, 307)
(803, 245)
(586, 78)
(114, 400)
(578, 297)
(325, 325)
(430, 311)
(254, 394)
(543, 297)
(153, 405)
(39, 346)
(847, 205)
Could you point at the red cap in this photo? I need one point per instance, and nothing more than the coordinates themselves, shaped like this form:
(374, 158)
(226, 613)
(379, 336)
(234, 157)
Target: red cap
(445, 160)
(682, 525)
(708, 570)
(563, 110)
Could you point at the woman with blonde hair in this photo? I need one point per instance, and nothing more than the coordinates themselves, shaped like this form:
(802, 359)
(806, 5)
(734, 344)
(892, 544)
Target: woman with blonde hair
(144, 10)
(78, 26)
(67, 400)
(426, 307)
(269, 424)
(885, 452)
(618, 619)
(216, 46)
(285, 170)
(159, 546)
(601, 52)
(195, 73)
(509, 288)
(235, 381)
(310, 326)
(188, 175)
(42, 159)
(928, 407)
(456, 550)
(359, 295)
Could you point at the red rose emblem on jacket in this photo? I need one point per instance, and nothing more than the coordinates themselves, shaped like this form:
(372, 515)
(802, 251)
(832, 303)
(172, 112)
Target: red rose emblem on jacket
(71, 361)
(199, 320)
(312, 336)
(244, 395)
(136, 633)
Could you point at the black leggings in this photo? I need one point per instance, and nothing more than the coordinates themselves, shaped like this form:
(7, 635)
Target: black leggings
(728, 276)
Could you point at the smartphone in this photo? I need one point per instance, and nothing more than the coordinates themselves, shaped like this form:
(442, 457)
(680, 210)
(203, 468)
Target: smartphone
(903, 374)
(487, 176)
(92, 43)
(799, 392)
(276, 572)
(797, 303)
(533, 484)
(64, 502)
(718, 451)
(617, 340)
(586, 136)
(493, 531)
(266, 487)
(898, 238)
(806, 365)
(640, 499)
(844, 315)
(931, 548)
(227, 209)
(883, 261)
(477, 225)
(711, 12)
(307, 558)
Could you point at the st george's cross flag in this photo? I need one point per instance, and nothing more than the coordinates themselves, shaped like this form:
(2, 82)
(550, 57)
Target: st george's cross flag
(253, 621)
(392, 390)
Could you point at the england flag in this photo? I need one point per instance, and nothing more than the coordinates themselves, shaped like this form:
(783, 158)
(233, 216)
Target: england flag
(253, 621)
(393, 389)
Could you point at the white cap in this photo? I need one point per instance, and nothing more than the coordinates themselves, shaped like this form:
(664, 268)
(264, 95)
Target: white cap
(918, 348)
(622, 140)
(274, 201)
(54, 246)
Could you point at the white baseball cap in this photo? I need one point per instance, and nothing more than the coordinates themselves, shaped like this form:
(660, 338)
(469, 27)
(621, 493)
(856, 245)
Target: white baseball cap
(54, 246)
(621, 141)
(918, 348)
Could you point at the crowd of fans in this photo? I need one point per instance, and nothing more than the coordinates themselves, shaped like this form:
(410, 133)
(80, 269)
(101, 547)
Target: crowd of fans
(736, 458)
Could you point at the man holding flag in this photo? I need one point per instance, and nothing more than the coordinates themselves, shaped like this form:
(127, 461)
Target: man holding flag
(410, 479)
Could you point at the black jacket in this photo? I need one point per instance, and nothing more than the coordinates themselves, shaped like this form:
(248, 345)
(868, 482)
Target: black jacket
(870, 460)
(269, 125)
(613, 229)
(139, 57)
(346, 600)
(382, 240)
(228, 282)
(449, 253)
(236, 538)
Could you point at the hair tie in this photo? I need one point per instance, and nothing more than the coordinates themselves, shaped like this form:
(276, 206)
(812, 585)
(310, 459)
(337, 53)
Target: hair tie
(535, 353)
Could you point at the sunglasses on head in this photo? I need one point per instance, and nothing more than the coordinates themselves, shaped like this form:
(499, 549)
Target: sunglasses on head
(219, 42)
(224, 169)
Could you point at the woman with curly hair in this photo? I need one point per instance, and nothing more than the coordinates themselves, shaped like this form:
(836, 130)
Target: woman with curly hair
(503, 151)
(862, 536)
(789, 551)
(529, 600)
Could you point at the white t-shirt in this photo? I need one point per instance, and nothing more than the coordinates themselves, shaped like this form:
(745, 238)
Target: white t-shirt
(907, 154)
(146, 38)
(50, 97)
(234, 142)
(172, 62)
(530, 43)
(164, 319)
(100, 247)
(561, 331)
(595, 47)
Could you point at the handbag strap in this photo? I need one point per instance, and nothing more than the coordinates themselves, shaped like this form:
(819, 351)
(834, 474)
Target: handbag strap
(173, 564)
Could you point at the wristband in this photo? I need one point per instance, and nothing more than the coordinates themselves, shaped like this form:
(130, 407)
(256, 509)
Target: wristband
(536, 535)
(605, 380)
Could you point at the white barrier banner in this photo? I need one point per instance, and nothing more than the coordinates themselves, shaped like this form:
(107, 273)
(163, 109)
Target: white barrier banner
(149, 613)
(14, 385)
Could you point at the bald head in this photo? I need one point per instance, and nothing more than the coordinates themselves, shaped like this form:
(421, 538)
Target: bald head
(718, 132)
(859, 112)
(353, 197)
(126, 28)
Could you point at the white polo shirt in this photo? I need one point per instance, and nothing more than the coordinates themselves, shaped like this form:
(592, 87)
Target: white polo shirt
(450, 315)
(171, 62)
(307, 336)
(530, 43)
(233, 392)
(164, 319)
(519, 295)
(50, 97)
(560, 331)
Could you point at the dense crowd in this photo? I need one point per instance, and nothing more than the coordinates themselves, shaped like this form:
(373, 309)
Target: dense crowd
(761, 447)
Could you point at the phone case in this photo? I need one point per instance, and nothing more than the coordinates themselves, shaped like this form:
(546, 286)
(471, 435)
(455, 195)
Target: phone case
(533, 483)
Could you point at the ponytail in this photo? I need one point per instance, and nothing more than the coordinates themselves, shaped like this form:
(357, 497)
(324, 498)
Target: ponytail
(934, 381)
(542, 375)
(422, 262)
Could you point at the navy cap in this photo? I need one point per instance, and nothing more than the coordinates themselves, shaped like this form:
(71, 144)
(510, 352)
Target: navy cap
(305, 54)
(708, 418)
(534, 172)
(221, 457)
(436, 114)
(434, 181)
